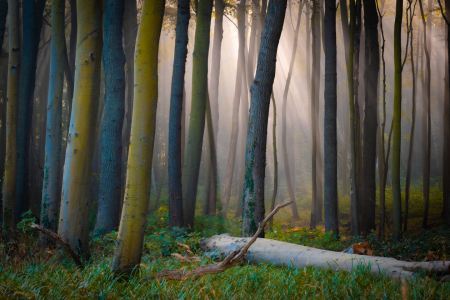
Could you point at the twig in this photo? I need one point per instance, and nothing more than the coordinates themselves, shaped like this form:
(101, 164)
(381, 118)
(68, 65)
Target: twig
(229, 261)
(60, 241)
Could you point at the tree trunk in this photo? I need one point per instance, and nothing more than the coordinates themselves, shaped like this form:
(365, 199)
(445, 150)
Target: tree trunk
(371, 74)
(345, 34)
(330, 130)
(289, 182)
(412, 133)
(353, 119)
(313, 86)
(275, 159)
(446, 185)
(50, 196)
(10, 173)
(426, 112)
(212, 201)
(226, 192)
(134, 213)
(76, 188)
(255, 158)
(396, 151)
(198, 111)
(111, 164)
(176, 111)
(31, 26)
(297, 256)
(129, 40)
(214, 93)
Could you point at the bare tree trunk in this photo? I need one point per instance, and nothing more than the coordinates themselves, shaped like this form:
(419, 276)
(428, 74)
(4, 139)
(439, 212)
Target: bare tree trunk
(275, 159)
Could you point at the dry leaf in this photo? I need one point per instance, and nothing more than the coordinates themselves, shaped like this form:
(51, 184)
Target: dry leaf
(404, 290)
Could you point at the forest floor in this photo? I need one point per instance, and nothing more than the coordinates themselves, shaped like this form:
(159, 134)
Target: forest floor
(28, 272)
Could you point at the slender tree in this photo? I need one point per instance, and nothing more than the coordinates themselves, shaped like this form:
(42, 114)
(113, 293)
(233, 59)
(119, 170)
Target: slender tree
(50, 196)
(426, 111)
(129, 40)
(397, 136)
(76, 188)
(369, 144)
(284, 117)
(313, 123)
(10, 173)
(353, 118)
(275, 159)
(32, 22)
(446, 185)
(198, 111)
(219, 7)
(134, 213)
(330, 130)
(111, 172)
(255, 157)
(176, 110)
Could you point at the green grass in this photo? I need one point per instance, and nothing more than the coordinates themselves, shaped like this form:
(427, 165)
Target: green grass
(27, 272)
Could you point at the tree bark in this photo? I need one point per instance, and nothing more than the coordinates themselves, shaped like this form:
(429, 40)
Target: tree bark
(396, 151)
(76, 188)
(371, 74)
(297, 256)
(50, 195)
(330, 130)
(446, 177)
(176, 111)
(10, 173)
(129, 40)
(31, 26)
(426, 112)
(111, 164)
(198, 112)
(134, 213)
(255, 159)
(275, 159)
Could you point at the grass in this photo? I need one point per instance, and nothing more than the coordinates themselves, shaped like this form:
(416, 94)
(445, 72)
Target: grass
(27, 272)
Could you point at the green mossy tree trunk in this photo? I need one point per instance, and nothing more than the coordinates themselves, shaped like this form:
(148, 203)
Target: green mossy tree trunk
(193, 154)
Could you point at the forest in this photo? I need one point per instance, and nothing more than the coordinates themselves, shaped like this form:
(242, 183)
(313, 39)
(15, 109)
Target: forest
(225, 149)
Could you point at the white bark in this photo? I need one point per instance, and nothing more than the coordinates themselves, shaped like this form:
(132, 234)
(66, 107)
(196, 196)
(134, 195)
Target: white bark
(281, 253)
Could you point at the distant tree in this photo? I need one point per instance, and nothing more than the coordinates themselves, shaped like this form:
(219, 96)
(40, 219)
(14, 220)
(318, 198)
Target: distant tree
(314, 90)
(397, 135)
(446, 185)
(32, 15)
(284, 117)
(137, 189)
(369, 144)
(255, 158)
(219, 7)
(176, 110)
(129, 40)
(198, 111)
(330, 128)
(426, 110)
(53, 136)
(111, 164)
(74, 213)
(10, 173)
(275, 159)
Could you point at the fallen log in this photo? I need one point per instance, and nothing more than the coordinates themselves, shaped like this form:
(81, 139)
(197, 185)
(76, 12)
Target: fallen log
(230, 261)
(285, 254)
